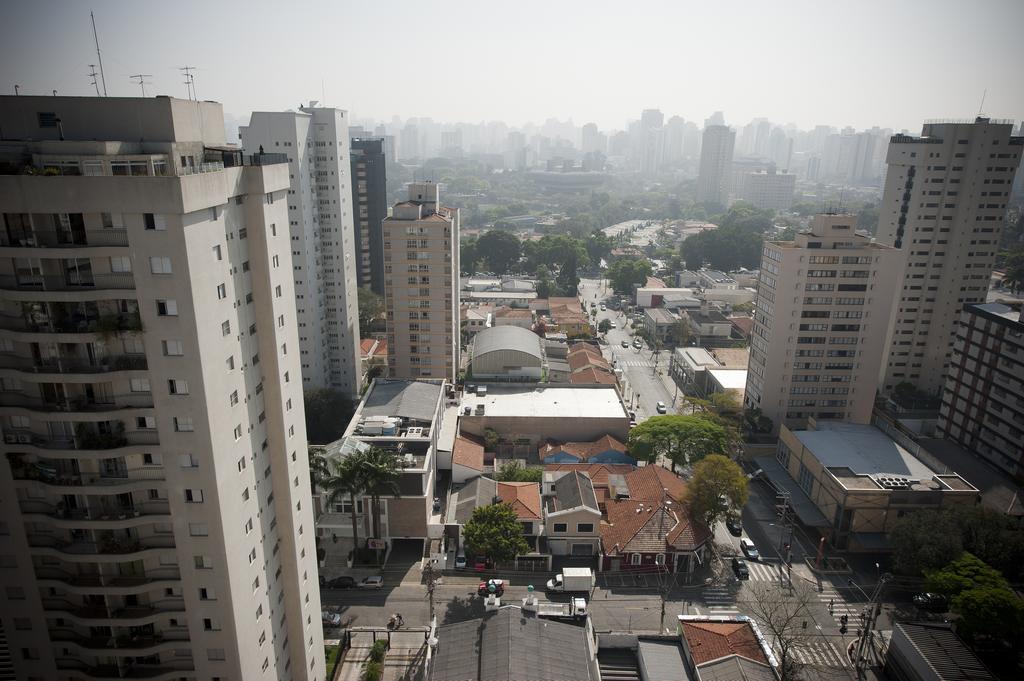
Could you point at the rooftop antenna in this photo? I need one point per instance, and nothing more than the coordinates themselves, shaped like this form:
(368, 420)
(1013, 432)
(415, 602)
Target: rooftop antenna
(95, 81)
(16, 88)
(981, 106)
(99, 57)
(142, 81)
(323, 92)
(190, 81)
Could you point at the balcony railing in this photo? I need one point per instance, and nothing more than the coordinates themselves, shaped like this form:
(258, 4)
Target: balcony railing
(101, 612)
(125, 671)
(59, 511)
(76, 323)
(55, 239)
(46, 282)
(121, 642)
(106, 546)
(75, 365)
(60, 472)
(86, 441)
(109, 403)
(168, 574)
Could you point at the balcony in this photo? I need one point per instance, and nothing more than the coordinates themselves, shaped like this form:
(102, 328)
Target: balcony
(75, 365)
(83, 441)
(133, 644)
(160, 671)
(41, 282)
(110, 584)
(107, 325)
(103, 517)
(98, 615)
(77, 404)
(74, 239)
(110, 546)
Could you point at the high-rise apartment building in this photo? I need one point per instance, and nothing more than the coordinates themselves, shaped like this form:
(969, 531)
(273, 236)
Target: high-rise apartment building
(370, 207)
(984, 392)
(822, 310)
(154, 486)
(715, 164)
(944, 205)
(768, 189)
(324, 257)
(421, 286)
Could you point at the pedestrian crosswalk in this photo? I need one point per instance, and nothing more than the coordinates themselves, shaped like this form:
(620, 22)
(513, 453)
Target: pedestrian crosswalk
(720, 601)
(823, 653)
(839, 606)
(622, 363)
(763, 572)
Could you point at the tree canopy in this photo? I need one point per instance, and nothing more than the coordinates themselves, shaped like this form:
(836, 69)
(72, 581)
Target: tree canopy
(1013, 265)
(987, 606)
(371, 307)
(495, 532)
(629, 272)
(328, 412)
(499, 250)
(717, 487)
(682, 440)
(514, 471)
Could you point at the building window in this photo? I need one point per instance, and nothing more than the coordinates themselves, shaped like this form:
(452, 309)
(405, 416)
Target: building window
(584, 527)
(634, 559)
(806, 480)
(173, 348)
(167, 308)
(183, 424)
(225, 328)
(193, 496)
(659, 559)
(560, 527)
(222, 292)
(160, 265)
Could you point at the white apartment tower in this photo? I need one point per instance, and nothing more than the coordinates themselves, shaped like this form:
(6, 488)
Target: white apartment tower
(421, 291)
(944, 205)
(155, 512)
(820, 320)
(715, 164)
(324, 253)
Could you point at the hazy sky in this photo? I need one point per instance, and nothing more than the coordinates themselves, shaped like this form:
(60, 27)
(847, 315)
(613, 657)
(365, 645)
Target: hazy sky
(891, 63)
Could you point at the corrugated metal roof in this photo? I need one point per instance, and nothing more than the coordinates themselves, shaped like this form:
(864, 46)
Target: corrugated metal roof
(409, 399)
(498, 338)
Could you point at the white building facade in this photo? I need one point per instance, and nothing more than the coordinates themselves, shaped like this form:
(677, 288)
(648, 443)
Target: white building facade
(154, 486)
(324, 252)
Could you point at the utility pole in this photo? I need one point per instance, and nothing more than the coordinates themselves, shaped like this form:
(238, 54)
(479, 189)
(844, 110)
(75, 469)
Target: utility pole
(99, 57)
(92, 74)
(142, 81)
(869, 623)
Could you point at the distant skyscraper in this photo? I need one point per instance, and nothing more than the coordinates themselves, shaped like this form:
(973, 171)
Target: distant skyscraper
(717, 118)
(762, 137)
(409, 143)
(324, 254)
(421, 292)
(822, 310)
(768, 190)
(154, 485)
(370, 205)
(944, 204)
(675, 129)
(715, 165)
(592, 140)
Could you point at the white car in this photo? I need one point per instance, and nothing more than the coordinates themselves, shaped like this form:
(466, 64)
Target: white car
(613, 325)
(374, 582)
(749, 550)
(662, 409)
(330, 619)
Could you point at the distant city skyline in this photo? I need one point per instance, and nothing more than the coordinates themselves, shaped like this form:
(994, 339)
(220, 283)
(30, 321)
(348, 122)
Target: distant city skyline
(588, 62)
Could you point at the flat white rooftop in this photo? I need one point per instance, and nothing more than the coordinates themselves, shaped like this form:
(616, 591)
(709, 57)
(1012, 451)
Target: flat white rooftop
(562, 403)
(697, 357)
(730, 379)
(865, 450)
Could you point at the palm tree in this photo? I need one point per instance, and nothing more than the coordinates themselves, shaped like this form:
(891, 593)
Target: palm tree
(1014, 269)
(344, 476)
(319, 468)
(380, 470)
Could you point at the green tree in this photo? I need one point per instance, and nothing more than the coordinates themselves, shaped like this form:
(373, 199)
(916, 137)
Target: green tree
(344, 477)
(718, 487)
(984, 600)
(380, 470)
(598, 245)
(682, 440)
(604, 326)
(500, 250)
(626, 273)
(568, 280)
(924, 540)
(328, 412)
(495, 531)
(514, 471)
(867, 217)
(1013, 266)
(468, 255)
(371, 307)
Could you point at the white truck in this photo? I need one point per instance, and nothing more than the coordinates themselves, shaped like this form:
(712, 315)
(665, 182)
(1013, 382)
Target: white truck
(575, 609)
(572, 580)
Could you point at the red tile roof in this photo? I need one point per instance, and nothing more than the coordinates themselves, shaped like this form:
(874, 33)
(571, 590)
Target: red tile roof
(592, 376)
(599, 474)
(650, 527)
(709, 641)
(523, 497)
(744, 324)
(584, 450)
(648, 482)
(654, 282)
(366, 345)
(468, 452)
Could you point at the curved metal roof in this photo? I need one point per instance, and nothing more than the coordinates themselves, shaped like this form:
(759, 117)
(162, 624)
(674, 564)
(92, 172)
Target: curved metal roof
(508, 337)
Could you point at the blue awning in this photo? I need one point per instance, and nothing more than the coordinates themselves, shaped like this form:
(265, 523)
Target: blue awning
(804, 508)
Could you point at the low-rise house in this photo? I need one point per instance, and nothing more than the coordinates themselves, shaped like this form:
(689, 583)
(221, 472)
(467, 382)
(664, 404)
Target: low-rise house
(468, 458)
(606, 449)
(508, 316)
(522, 497)
(725, 650)
(709, 326)
(507, 353)
(659, 323)
(608, 480)
(715, 279)
(476, 319)
(373, 353)
(507, 644)
(572, 517)
(652, 534)
(587, 366)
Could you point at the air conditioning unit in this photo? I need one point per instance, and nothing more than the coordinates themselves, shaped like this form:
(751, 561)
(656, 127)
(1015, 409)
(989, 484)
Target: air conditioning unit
(24, 438)
(10, 438)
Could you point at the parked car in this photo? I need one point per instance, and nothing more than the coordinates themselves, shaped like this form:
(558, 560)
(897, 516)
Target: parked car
(480, 564)
(662, 409)
(749, 550)
(460, 561)
(603, 307)
(931, 602)
(485, 587)
(374, 582)
(625, 344)
(637, 343)
(330, 619)
(343, 582)
(614, 325)
(740, 568)
(734, 525)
